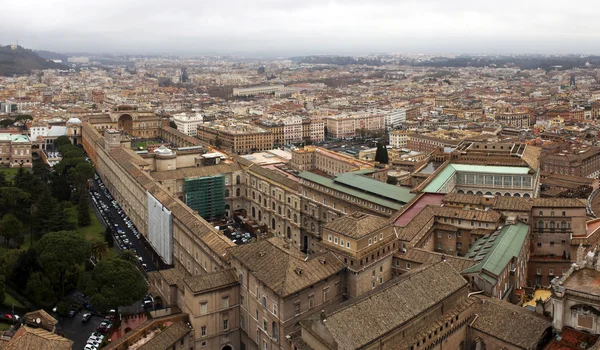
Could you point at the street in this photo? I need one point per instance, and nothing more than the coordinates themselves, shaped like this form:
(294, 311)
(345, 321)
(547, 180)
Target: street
(110, 216)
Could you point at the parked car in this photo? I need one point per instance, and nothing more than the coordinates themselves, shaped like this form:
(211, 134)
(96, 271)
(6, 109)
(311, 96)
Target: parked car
(86, 317)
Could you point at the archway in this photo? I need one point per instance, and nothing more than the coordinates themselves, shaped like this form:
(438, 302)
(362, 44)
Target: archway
(227, 347)
(125, 123)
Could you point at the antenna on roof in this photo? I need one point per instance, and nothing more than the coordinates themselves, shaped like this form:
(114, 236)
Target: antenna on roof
(306, 257)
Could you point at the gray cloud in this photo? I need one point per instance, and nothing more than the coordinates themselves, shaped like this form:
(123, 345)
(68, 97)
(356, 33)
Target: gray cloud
(302, 27)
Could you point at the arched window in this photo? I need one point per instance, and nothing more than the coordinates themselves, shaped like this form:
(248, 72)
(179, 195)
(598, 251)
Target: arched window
(552, 225)
(469, 192)
(237, 180)
(237, 192)
(296, 218)
(259, 198)
(526, 195)
(479, 193)
(289, 214)
(507, 194)
(488, 193)
(279, 209)
(273, 223)
(289, 233)
(226, 192)
(563, 225)
(253, 195)
(253, 212)
(517, 195)
(460, 192)
(259, 215)
(541, 226)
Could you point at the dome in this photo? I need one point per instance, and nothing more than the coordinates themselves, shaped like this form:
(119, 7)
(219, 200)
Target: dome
(74, 121)
(163, 151)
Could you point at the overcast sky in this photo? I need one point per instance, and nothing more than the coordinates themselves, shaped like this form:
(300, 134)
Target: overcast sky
(291, 27)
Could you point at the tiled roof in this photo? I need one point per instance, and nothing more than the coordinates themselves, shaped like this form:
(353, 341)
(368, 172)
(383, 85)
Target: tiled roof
(455, 213)
(285, 273)
(512, 204)
(559, 202)
(367, 319)
(424, 256)
(357, 225)
(46, 321)
(509, 323)
(419, 225)
(214, 280)
(27, 338)
(167, 338)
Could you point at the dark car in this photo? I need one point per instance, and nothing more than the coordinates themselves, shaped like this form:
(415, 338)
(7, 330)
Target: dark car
(73, 310)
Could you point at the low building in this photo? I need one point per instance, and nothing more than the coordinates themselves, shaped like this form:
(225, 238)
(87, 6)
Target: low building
(15, 150)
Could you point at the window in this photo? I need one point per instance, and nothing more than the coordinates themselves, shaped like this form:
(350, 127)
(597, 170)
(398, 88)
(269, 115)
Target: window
(263, 301)
(203, 308)
(311, 301)
(408, 266)
(329, 238)
(225, 325)
(265, 325)
(225, 302)
(203, 331)
(243, 323)
(538, 271)
(370, 241)
(335, 240)
(275, 331)
(348, 245)
(342, 242)
(325, 294)
(203, 344)
(297, 308)
(275, 309)
(551, 272)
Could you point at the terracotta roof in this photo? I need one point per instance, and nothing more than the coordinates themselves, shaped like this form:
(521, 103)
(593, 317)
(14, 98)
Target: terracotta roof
(464, 199)
(454, 213)
(509, 323)
(357, 224)
(419, 225)
(47, 322)
(27, 338)
(531, 155)
(266, 173)
(214, 280)
(282, 272)
(367, 319)
(165, 339)
(423, 256)
(512, 204)
(559, 202)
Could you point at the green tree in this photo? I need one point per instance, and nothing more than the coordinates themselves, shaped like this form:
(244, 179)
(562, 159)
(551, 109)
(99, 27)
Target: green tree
(83, 211)
(8, 261)
(61, 141)
(113, 283)
(39, 289)
(218, 142)
(99, 250)
(108, 238)
(172, 124)
(13, 200)
(128, 255)
(59, 252)
(2, 288)
(381, 155)
(11, 228)
(3, 181)
(26, 264)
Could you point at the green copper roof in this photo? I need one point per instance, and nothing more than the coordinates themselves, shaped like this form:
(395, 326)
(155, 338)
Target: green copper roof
(494, 251)
(448, 172)
(363, 187)
(14, 137)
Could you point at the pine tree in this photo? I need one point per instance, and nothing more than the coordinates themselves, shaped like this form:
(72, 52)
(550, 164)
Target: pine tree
(83, 210)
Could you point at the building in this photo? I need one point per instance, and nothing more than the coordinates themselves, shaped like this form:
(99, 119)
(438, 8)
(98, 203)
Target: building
(237, 138)
(398, 138)
(15, 150)
(310, 158)
(347, 126)
(395, 118)
(130, 119)
(163, 332)
(516, 119)
(280, 287)
(502, 261)
(366, 244)
(317, 130)
(564, 159)
(292, 130)
(188, 123)
(257, 90)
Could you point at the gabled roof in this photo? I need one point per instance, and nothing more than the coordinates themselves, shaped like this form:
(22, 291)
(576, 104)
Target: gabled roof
(357, 224)
(27, 338)
(47, 322)
(559, 202)
(369, 318)
(210, 281)
(168, 337)
(423, 256)
(285, 272)
(494, 251)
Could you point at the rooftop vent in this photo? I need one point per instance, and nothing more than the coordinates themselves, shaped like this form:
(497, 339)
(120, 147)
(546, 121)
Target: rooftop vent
(298, 271)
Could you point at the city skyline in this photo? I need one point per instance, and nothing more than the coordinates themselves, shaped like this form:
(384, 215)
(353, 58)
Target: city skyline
(266, 27)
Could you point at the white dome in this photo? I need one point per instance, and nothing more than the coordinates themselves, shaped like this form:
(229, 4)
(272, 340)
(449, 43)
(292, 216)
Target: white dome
(74, 121)
(163, 151)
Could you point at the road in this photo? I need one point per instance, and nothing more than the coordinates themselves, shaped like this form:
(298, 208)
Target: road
(142, 248)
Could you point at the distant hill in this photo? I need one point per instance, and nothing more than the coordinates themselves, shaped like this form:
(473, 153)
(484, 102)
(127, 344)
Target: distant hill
(49, 55)
(21, 61)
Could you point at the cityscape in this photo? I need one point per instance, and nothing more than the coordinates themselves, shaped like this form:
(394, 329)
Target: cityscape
(253, 194)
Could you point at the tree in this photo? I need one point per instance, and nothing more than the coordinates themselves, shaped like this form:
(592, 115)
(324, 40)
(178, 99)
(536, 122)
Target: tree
(39, 289)
(59, 252)
(218, 142)
(113, 283)
(108, 238)
(128, 255)
(26, 264)
(83, 211)
(61, 141)
(3, 181)
(392, 180)
(2, 288)
(172, 124)
(99, 250)
(381, 155)
(13, 200)
(11, 228)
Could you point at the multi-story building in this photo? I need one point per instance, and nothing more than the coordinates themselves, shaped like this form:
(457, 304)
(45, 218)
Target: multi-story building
(428, 143)
(15, 150)
(395, 118)
(280, 287)
(516, 119)
(317, 130)
(332, 163)
(366, 244)
(188, 123)
(398, 138)
(129, 119)
(565, 159)
(352, 125)
(257, 90)
(275, 127)
(292, 130)
(238, 138)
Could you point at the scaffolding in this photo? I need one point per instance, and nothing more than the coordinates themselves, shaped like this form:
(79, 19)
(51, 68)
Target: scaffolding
(206, 195)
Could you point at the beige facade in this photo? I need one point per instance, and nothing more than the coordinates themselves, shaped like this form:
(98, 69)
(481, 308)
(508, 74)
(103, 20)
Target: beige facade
(240, 140)
(15, 151)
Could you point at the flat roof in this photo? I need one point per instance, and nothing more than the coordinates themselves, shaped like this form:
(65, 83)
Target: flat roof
(365, 188)
(497, 249)
(438, 182)
(585, 280)
(14, 137)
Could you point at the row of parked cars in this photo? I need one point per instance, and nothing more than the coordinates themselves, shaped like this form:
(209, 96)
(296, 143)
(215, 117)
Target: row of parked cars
(117, 231)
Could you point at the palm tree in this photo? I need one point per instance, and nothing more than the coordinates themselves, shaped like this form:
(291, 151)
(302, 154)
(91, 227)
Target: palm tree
(99, 250)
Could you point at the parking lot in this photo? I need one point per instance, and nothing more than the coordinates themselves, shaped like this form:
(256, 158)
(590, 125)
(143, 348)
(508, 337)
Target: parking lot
(78, 331)
(126, 236)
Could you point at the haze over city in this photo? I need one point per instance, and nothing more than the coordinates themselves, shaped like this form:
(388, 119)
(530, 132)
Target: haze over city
(283, 27)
